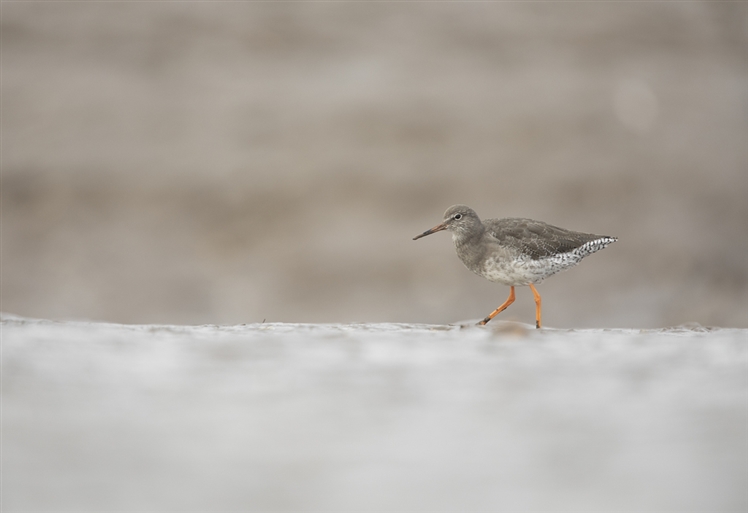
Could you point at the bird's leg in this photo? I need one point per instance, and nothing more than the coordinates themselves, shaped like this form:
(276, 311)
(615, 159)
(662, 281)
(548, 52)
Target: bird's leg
(496, 312)
(537, 305)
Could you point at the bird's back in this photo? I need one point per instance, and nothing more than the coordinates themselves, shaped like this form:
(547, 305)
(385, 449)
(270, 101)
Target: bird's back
(538, 240)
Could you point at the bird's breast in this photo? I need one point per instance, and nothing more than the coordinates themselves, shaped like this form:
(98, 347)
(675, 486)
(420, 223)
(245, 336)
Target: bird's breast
(495, 263)
(509, 271)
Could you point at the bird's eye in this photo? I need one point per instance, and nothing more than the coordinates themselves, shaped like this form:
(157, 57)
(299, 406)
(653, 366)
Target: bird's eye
(457, 217)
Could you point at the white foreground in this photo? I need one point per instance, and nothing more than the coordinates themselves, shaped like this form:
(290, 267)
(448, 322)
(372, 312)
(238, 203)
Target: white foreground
(372, 417)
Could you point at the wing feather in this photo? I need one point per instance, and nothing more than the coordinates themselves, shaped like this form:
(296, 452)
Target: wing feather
(536, 238)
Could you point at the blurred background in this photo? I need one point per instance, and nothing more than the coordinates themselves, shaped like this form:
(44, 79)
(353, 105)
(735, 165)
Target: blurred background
(206, 162)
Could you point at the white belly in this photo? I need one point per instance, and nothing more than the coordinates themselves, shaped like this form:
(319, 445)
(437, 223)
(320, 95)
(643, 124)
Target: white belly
(523, 271)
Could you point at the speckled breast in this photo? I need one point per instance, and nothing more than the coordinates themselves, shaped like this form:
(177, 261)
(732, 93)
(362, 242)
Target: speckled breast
(524, 270)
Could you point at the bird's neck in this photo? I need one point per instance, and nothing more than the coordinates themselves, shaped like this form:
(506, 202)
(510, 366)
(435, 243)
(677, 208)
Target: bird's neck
(467, 237)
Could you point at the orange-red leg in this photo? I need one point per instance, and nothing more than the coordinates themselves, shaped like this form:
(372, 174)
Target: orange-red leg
(496, 312)
(537, 305)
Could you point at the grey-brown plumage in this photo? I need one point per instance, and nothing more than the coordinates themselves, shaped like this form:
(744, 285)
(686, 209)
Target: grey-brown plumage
(515, 251)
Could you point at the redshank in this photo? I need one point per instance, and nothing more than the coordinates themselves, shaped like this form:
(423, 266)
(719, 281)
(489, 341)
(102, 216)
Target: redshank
(515, 251)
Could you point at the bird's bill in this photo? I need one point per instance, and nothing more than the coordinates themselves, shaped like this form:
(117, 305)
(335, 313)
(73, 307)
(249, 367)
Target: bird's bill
(437, 228)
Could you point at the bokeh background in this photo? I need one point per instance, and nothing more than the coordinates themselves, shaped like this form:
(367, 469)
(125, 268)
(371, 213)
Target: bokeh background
(210, 162)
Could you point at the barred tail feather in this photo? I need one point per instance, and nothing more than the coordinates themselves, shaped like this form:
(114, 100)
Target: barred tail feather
(594, 245)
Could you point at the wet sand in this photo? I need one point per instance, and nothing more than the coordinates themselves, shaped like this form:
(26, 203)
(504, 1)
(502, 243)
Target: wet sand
(372, 417)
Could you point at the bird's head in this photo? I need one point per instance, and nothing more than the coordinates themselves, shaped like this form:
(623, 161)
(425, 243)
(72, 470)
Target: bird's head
(458, 219)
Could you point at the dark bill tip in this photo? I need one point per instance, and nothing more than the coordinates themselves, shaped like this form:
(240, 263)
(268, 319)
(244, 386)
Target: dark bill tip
(435, 229)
